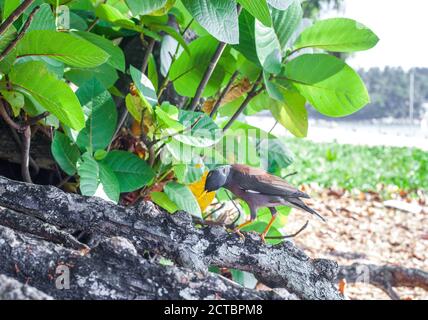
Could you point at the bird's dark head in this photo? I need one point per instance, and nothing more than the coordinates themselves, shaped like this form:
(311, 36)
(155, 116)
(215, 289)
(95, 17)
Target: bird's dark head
(217, 178)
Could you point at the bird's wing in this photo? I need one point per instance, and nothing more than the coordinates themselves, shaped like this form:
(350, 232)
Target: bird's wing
(259, 181)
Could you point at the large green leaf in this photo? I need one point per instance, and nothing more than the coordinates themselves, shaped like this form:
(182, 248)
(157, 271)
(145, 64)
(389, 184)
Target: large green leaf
(54, 95)
(116, 59)
(291, 113)
(339, 35)
(268, 48)
(108, 188)
(285, 22)
(183, 198)
(328, 83)
(219, 18)
(258, 9)
(63, 47)
(65, 152)
(101, 114)
(132, 172)
(279, 155)
(144, 86)
(187, 71)
(139, 7)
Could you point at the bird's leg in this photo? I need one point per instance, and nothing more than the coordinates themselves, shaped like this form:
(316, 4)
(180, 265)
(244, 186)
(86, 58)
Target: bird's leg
(253, 214)
(272, 220)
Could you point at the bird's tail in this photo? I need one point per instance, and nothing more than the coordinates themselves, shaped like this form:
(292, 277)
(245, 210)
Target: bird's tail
(296, 202)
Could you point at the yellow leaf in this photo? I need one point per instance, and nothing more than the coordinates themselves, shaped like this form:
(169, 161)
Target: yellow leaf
(204, 198)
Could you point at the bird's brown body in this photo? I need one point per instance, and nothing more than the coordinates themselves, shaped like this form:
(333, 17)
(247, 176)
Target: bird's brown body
(258, 189)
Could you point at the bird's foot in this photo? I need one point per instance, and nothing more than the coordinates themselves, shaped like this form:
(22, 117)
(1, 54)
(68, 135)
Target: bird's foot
(239, 233)
(262, 236)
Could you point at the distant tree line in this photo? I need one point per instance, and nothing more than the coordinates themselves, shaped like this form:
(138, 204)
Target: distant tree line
(389, 92)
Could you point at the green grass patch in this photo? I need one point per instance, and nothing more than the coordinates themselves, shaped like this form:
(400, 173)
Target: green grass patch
(358, 167)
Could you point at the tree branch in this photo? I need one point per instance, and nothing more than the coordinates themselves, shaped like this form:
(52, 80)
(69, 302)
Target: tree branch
(15, 15)
(207, 75)
(174, 237)
(13, 44)
(384, 277)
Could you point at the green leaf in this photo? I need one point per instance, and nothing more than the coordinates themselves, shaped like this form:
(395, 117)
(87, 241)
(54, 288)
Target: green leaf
(101, 113)
(63, 47)
(338, 35)
(116, 59)
(204, 133)
(219, 18)
(43, 19)
(245, 279)
(280, 4)
(54, 95)
(291, 113)
(144, 86)
(104, 73)
(135, 106)
(162, 200)
(144, 7)
(15, 99)
(65, 152)
(132, 172)
(187, 71)
(173, 33)
(285, 22)
(268, 48)
(279, 154)
(109, 13)
(188, 173)
(108, 188)
(89, 173)
(247, 42)
(5, 39)
(183, 198)
(97, 179)
(258, 9)
(328, 83)
(8, 7)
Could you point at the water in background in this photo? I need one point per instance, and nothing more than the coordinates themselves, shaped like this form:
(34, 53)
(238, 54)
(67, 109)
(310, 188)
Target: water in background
(371, 133)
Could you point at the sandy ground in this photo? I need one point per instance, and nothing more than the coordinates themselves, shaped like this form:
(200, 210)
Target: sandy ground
(361, 229)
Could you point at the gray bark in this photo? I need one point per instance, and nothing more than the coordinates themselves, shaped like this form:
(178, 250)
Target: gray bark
(148, 229)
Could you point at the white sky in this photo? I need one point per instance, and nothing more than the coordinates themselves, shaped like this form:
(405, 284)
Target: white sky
(402, 27)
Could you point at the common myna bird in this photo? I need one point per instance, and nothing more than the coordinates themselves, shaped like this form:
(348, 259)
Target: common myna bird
(258, 189)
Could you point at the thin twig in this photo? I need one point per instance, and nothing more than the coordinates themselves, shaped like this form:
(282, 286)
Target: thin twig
(254, 92)
(290, 175)
(7, 118)
(207, 75)
(26, 143)
(124, 115)
(32, 121)
(13, 44)
(146, 58)
(291, 235)
(224, 92)
(15, 15)
(18, 141)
